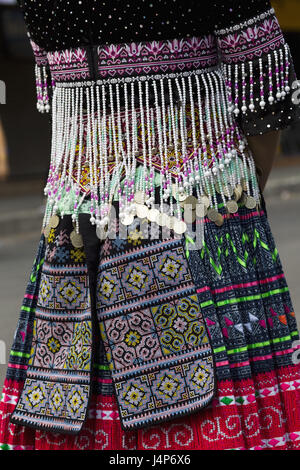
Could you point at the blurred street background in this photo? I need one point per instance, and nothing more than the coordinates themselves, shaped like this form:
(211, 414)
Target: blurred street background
(24, 158)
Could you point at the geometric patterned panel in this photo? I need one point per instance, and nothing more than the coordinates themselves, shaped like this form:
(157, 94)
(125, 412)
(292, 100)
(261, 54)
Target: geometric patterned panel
(59, 292)
(57, 386)
(145, 276)
(46, 400)
(153, 332)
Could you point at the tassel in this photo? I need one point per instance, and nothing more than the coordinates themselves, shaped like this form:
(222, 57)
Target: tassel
(287, 88)
(262, 102)
(41, 80)
(274, 73)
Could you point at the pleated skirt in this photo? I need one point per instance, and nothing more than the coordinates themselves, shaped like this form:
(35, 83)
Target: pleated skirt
(251, 324)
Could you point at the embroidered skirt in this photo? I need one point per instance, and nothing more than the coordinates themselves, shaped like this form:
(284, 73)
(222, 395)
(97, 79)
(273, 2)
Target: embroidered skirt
(242, 309)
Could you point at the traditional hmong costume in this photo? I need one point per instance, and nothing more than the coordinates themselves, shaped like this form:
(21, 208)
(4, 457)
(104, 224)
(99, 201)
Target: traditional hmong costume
(157, 314)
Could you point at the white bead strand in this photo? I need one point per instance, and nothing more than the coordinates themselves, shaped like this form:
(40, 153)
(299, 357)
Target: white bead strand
(150, 198)
(271, 98)
(262, 102)
(251, 84)
(227, 72)
(165, 166)
(79, 163)
(277, 77)
(287, 69)
(164, 185)
(244, 105)
(89, 153)
(282, 86)
(143, 132)
(203, 167)
(186, 169)
(236, 88)
(209, 172)
(105, 149)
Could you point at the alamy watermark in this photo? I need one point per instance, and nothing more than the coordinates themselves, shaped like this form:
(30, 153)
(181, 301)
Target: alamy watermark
(296, 93)
(141, 228)
(296, 354)
(2, 92)
(2, 352)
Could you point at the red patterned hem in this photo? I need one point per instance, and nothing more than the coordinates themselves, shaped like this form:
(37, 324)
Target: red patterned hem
(258, 414)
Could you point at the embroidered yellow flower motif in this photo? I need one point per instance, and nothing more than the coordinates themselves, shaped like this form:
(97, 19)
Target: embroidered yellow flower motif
(35, 396)
(75, 402)
(200, 376)
(137, 278)
(134, 396)
(53, 344)
(107, 288)
(56, 398)
(132, 338)
(168, 386)
(170, 267)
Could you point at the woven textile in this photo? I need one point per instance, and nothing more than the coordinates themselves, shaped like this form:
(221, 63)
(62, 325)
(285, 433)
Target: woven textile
(245, 301)
(151, 325)
(56, 390)
(152, 329)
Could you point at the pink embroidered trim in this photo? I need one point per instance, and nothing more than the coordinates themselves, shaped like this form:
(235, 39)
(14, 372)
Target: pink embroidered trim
(134, 59)
(69, 65)
(251, 41)
(157, 56)
(39, 54)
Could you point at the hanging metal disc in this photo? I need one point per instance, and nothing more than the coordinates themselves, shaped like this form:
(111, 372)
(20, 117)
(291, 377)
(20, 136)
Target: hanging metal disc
(54, 221)
(250, 202)
(76, 239)
(232, 206)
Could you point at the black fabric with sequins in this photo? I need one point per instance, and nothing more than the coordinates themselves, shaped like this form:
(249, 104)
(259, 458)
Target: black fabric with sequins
(59, 24)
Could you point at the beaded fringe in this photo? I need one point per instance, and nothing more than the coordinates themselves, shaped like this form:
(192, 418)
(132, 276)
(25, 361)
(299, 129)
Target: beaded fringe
(240, 81)
(211, 158)
(42, 92)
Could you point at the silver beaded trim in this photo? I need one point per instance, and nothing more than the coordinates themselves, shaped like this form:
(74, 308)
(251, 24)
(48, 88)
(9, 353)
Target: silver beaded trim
(142, 78)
